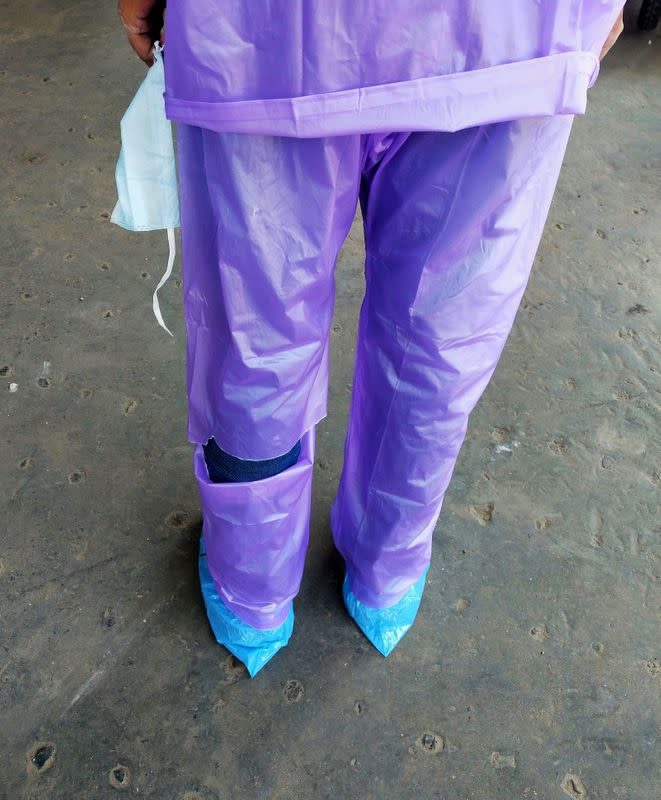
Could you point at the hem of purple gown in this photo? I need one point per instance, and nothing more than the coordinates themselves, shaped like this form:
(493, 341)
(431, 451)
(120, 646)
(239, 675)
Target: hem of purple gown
(546, 86)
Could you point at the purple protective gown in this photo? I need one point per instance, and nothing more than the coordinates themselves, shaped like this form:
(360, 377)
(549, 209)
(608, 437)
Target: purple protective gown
(449, 120)
(327, 67)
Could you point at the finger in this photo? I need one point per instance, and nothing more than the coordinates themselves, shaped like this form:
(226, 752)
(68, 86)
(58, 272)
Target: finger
(142, 44)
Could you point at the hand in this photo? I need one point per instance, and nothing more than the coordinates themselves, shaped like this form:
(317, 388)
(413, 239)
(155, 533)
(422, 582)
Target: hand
(613, 36)
(143, 22)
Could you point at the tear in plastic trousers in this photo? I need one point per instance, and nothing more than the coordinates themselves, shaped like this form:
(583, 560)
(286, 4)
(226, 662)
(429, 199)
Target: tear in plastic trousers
(452, 222)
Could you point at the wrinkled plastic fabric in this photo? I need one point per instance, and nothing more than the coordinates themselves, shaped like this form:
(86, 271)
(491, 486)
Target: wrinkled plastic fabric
(253, 647)
(385, 627)
(255, 535)
(452, 222)
(311, 68)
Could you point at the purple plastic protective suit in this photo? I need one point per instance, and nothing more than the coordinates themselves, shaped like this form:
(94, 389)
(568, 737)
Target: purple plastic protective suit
(293, 110)
(327, 67)
(452, 222)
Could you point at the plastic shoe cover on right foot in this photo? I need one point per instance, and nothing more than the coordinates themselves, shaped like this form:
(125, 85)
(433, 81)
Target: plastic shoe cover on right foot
(385, 627)
(253, 647)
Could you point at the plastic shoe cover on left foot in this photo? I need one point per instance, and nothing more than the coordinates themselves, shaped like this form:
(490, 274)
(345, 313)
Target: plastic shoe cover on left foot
(385, 627)
(253, 647)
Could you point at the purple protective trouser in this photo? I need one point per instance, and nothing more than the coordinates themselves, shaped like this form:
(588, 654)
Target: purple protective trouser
(452, 223)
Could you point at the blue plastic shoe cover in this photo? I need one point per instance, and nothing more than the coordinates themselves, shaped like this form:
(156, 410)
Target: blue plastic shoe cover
(252, 646)
(384, 627)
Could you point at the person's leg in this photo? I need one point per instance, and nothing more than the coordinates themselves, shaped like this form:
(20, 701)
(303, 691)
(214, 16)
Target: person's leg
(452, 223)
(262, 221)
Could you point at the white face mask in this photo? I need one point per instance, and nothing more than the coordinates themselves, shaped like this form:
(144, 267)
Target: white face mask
(146, 174)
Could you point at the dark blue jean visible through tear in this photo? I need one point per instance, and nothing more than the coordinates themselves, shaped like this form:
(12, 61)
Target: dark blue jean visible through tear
(225, 468)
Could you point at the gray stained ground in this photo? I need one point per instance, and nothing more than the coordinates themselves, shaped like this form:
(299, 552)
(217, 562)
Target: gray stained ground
(536, 654)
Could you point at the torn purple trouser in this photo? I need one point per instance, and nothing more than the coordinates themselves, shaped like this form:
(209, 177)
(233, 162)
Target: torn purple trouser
(452, 222)
(256, 535)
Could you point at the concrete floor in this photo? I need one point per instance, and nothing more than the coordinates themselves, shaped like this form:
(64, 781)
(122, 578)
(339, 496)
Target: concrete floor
(537, 651)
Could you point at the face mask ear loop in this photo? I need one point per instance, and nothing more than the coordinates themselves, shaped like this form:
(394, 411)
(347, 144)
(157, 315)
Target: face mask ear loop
(168, 271)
